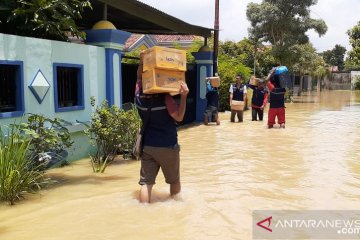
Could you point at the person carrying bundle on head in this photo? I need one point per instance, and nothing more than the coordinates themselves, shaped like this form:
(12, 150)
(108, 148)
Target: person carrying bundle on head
(277, 97)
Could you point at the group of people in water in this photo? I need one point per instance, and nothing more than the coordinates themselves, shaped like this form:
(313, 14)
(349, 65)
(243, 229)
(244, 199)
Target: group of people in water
(159, 114)
(264, 91)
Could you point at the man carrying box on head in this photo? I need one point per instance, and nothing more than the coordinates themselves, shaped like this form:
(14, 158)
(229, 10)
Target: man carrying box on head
(159, 114)
(212, 96)
(238, 94)
(259, 98)
(163, 70)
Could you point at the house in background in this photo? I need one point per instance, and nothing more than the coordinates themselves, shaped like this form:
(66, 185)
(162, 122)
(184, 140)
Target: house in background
(57, 78)
(139, 42)
(184, 41)
(145, 41)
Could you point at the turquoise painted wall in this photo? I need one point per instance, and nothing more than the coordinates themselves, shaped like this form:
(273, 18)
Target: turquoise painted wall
(41, 54)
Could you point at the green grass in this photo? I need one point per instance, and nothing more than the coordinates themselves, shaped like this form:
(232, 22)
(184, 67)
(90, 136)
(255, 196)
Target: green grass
(17, 175)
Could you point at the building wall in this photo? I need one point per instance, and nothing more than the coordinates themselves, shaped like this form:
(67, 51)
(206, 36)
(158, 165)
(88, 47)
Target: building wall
(354, 76)
(40, 54)
(340, 81)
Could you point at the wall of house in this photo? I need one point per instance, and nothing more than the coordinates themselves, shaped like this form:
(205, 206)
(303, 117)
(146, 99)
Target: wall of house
(39, 54)
(339, 81)
(354, 76)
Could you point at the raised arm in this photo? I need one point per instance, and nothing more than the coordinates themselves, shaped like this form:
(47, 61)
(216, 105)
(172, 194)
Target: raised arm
(268, 82)
(178, 114)
(231, 93)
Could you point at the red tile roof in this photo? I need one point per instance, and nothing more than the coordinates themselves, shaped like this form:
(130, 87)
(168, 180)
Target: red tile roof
(174, 38)
(162, 40)
(132, 40)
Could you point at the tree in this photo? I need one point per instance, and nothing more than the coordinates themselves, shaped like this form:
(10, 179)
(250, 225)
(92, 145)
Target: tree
(228, 68)
(353, 59)
(320, 70)
(265, 61)
(248, 53)
(335, 57)
(194, 47)
(307, 62)
(283, 23)
(50, 19)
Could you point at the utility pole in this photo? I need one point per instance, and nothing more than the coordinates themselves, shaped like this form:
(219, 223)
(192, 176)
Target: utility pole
(105, 10)
(216, 38)
(255, 49)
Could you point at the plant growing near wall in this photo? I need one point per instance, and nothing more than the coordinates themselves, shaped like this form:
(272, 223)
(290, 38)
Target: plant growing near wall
(130, 124)
(111, 130)
(18, 176)
(49, 139)
(357, 83)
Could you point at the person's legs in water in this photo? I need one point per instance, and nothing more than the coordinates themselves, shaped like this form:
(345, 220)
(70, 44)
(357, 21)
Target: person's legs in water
(253, 114)
(261, 114)
(145, 193)
(211, 115)
(271, 117)
(169, 160)
(175, 188)
(240, 116)
(215, 117)
(148, 172)
(206, 119)
(281, 117)
(232, 117)
(207, 115)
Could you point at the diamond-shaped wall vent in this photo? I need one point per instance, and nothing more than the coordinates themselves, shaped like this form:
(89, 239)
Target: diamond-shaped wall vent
(39, 86)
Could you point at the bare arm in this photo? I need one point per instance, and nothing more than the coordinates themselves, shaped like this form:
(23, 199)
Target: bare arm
(265, 100)
(268, 83)
(245, 93)
(179, 114)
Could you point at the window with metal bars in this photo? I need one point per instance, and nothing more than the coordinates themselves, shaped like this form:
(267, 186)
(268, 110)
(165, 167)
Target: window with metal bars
(68, 86)
(11, 89)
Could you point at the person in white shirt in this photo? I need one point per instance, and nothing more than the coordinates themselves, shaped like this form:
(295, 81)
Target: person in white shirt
(238, 94)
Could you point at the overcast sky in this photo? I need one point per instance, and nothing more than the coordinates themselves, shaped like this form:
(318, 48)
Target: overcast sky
(339, 15)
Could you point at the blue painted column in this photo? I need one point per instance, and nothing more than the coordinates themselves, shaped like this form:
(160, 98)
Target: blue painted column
(113, 41)
(204, 64)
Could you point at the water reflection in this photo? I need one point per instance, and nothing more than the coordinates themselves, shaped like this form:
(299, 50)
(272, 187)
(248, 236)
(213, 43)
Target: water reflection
(227, 172)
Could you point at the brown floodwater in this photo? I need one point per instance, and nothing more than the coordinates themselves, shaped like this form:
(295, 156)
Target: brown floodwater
(227, 171)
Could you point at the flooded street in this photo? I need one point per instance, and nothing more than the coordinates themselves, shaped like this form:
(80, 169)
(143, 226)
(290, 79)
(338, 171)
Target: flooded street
(227, 171)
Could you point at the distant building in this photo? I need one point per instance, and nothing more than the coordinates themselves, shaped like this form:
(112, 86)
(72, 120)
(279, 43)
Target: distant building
(355, 75)
(142, 41)
(333, 69)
